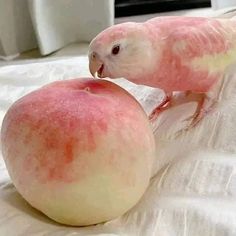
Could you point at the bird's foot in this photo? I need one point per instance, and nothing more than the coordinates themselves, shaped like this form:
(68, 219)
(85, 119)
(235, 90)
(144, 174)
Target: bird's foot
(205, 105)
(165, 104)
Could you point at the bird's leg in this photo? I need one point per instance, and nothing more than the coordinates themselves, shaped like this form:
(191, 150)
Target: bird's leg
(205, 105)
(161, 107)
(209, 100)
(200, 111)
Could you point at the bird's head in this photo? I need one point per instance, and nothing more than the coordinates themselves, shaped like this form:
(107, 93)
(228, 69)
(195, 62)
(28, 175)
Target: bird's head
(123, 50)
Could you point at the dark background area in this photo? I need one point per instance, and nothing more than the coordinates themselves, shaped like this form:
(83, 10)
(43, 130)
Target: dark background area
(139, 7)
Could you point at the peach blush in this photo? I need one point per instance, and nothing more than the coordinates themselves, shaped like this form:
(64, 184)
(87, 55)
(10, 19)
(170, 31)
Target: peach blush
(79, 150)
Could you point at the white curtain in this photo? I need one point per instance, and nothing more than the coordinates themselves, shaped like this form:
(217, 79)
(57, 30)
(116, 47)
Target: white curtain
(50, 24)
(16, 29)
(218, 4)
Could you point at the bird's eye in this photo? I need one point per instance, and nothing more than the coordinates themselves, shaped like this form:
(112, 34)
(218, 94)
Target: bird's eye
(115, 50)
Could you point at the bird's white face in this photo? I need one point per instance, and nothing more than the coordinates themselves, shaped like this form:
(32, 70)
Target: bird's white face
(128, 55)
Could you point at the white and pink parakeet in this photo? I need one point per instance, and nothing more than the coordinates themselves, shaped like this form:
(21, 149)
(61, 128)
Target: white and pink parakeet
(171, 53)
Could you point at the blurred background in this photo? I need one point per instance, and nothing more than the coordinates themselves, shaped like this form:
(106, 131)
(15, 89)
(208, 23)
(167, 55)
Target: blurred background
(31, 29)
(139, 7)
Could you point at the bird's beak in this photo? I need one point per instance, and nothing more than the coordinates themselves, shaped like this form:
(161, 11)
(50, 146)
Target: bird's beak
(95, 65)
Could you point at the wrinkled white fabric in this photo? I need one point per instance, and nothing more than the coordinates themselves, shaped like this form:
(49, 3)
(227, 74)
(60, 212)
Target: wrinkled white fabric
(193, 189)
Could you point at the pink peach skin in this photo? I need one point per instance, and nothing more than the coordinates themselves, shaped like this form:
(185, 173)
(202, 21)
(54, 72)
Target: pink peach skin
(79, 150)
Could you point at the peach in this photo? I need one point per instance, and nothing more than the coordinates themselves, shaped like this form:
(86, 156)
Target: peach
(79, 150)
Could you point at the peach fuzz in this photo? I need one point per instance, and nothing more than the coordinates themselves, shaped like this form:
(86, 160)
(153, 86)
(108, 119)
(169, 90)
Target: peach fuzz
(79, 150)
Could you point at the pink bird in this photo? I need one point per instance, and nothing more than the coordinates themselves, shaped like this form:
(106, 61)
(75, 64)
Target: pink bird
(188, 54)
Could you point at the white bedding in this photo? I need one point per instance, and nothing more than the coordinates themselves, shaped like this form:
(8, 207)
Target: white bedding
(193, 191)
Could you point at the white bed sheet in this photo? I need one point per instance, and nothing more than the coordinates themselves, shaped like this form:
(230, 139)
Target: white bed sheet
(193, 189)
